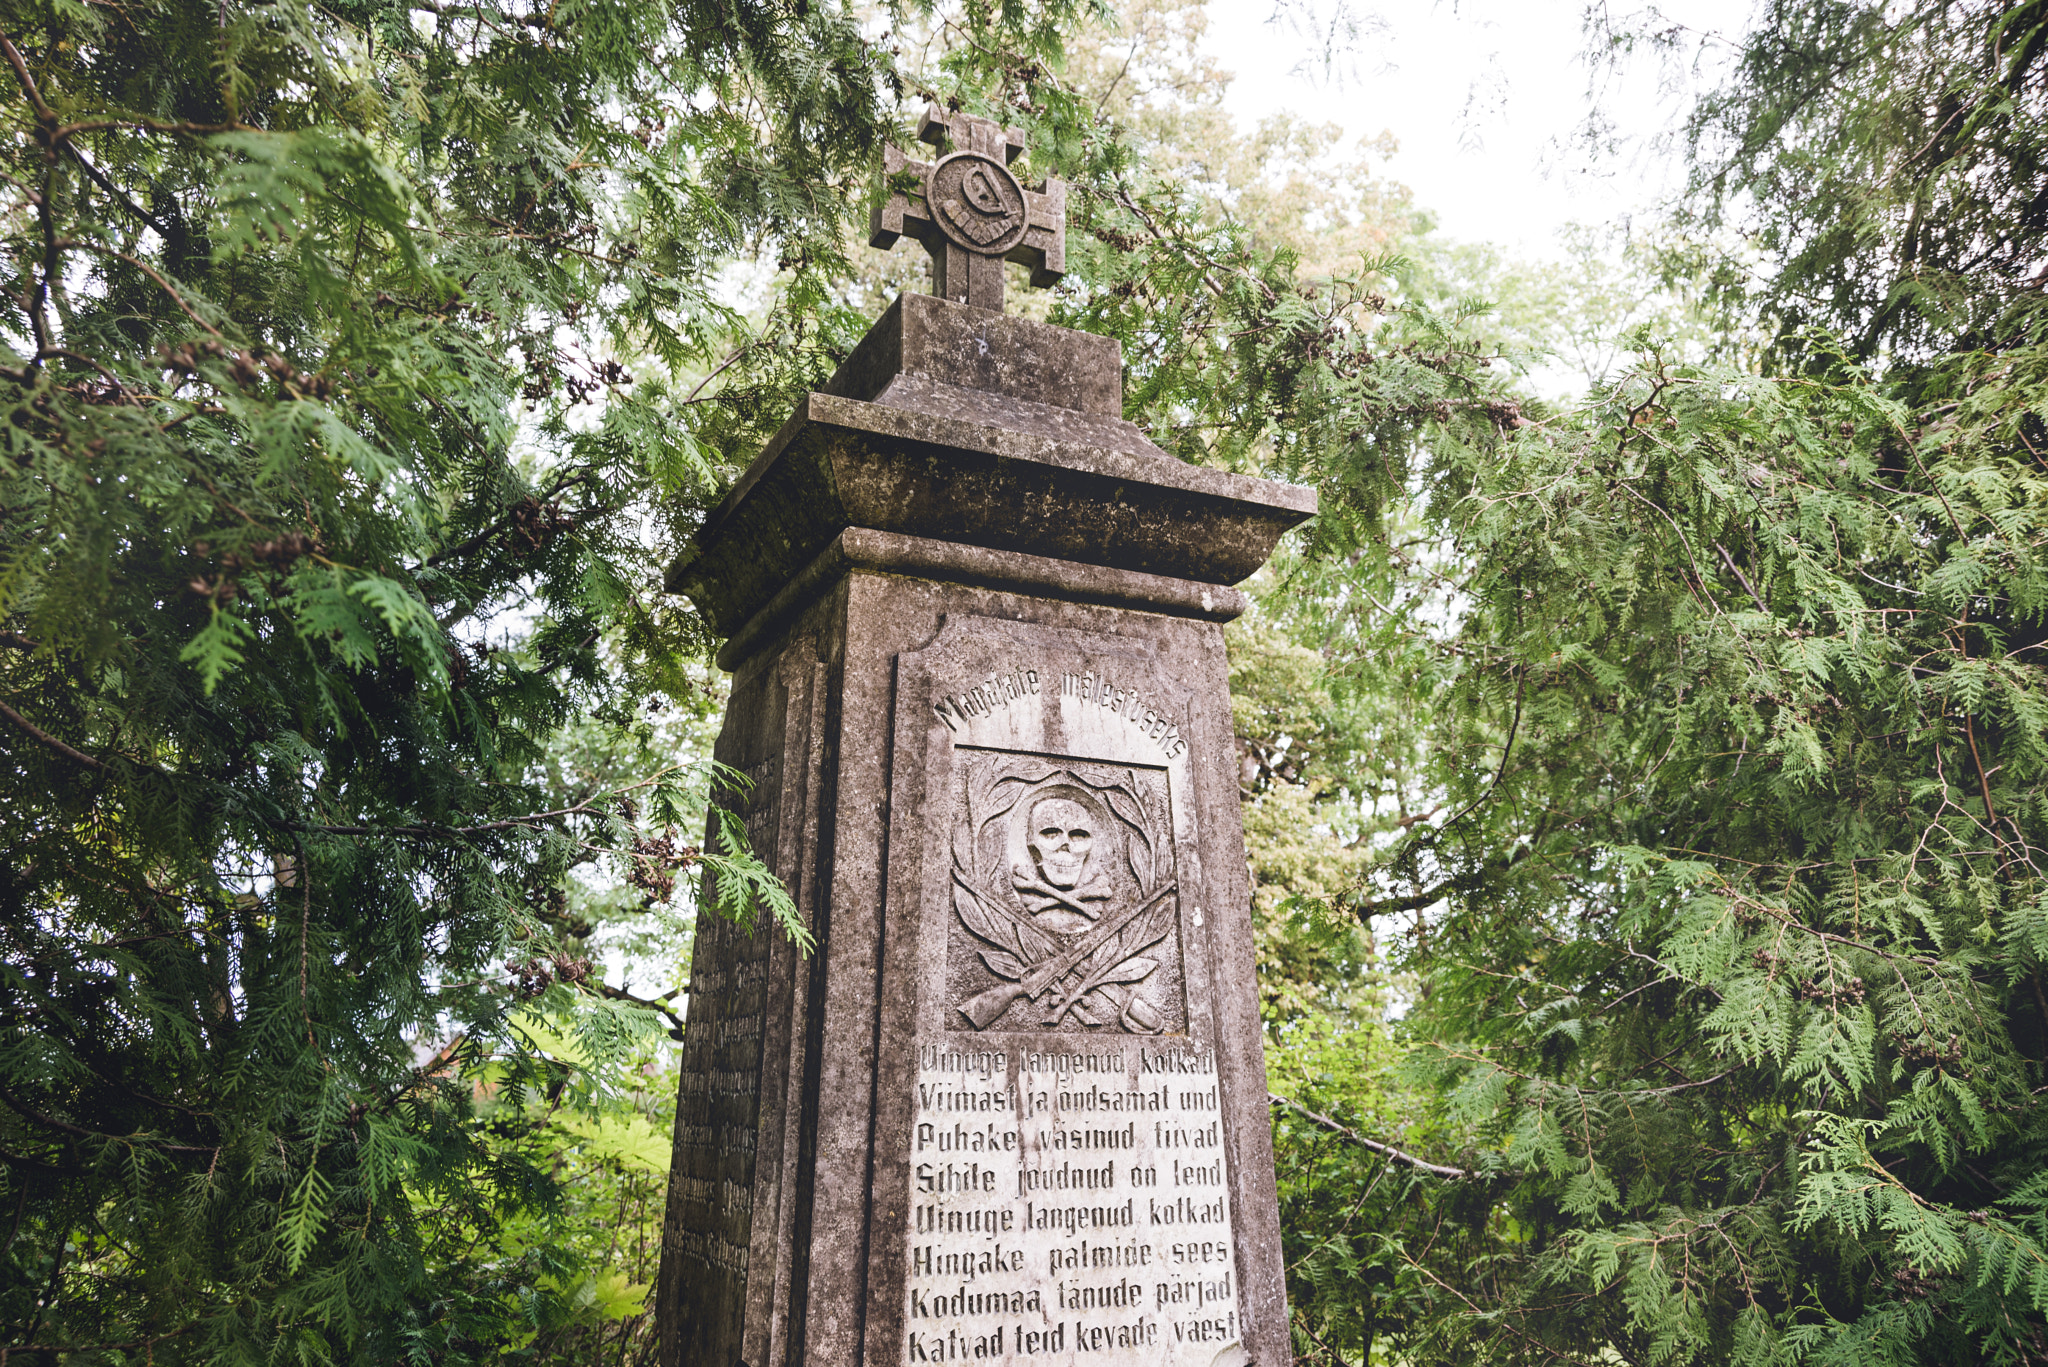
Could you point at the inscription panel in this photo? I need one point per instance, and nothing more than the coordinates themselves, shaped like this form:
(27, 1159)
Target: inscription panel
(1069, 1204)
(718, 1101)
(1068, 1188)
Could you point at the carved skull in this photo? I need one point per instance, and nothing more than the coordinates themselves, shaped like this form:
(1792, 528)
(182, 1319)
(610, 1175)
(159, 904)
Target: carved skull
(1061, 839)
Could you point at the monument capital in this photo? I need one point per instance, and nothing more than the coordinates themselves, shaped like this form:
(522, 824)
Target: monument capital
(969, 209)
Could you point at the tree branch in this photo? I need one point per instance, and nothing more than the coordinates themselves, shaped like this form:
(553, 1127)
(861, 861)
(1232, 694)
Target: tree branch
(120, 196)
(51, 742)
(81, 1132)
(429, 831)
(1414, 901)
(661, 1003)
(1159, 235)
(44, 114)
(72, 130)
(1736, 570)
(1507, 748)
(47, 119)
(1350, 1135)
(149, 271)
(127, 1346)
(463, 548)
(720, 369)
(587, 807)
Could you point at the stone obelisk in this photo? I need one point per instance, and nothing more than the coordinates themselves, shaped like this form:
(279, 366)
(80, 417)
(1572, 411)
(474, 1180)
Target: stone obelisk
(1012, 1107)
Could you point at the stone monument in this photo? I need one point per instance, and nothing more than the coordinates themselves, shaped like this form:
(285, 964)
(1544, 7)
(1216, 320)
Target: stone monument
(1012, 1107)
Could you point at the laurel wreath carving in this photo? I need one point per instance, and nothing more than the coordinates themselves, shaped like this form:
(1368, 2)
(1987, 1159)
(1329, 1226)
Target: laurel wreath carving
(1097, 991)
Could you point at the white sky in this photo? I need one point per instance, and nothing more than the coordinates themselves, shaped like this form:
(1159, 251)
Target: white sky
(1484, 97)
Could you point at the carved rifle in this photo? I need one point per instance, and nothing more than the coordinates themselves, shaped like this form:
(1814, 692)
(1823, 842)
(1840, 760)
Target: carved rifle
(985, 1007)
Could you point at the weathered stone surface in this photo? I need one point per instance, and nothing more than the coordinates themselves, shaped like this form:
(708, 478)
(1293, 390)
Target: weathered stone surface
(935, 455)
(991, 356)
(1013, 1108)
(955, 562)
(969, 211)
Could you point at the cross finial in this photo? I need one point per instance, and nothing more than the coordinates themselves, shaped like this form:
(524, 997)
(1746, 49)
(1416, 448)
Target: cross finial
(970, 212)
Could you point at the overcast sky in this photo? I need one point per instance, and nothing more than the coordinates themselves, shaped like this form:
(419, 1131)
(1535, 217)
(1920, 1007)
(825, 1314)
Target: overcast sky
(1484, 97)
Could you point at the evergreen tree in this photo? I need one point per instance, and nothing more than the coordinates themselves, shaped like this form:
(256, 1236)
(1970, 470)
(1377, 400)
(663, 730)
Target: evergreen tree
(1732, 947)
(1684, 748)
(1724, 907)
(359, 365)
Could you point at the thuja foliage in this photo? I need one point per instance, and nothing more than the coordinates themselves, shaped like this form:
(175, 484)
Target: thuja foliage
(1711, 853)
(1683, 749)
(357, 370)
(1891, 162)
(1738, 975)
(1728, 947)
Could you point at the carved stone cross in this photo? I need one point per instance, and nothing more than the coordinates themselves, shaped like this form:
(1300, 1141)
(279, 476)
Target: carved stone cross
(970, 212)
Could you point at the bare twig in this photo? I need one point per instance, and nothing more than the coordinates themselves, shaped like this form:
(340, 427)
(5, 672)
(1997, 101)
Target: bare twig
(660, 1003)
(1130, 202)
(463, 548)
(1388, 1151)
(151, 272)
(44, 114)
(719, 369)
(588, 807)
(1736, 570)
(128, 1345)
(72, 130)
(50, 742)
(1414, 901)
(119, 195)
(1507, 748)
(81, 1132)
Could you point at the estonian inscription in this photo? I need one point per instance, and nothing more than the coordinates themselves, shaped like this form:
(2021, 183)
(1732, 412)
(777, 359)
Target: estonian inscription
(1065, 899)
(718, 1098)
(990, 696)
(986, 697)
(1128, 705)
(1069, 1204)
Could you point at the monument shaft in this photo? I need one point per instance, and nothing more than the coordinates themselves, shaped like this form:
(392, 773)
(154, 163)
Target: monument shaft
(1012, 1108)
